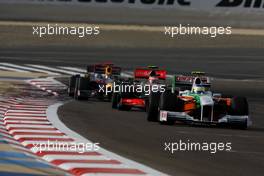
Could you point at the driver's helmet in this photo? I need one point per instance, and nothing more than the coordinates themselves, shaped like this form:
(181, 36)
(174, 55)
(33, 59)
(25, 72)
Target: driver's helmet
(153, 77)
(98, 76)
(198, 86)
(109, 80)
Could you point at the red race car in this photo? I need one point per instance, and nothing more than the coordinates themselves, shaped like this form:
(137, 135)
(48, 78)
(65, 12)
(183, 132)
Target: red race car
(134, 92)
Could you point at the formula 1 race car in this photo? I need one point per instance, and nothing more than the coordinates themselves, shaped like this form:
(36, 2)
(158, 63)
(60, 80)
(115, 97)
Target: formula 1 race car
(198, 106)
(135, 91)
(97, 80)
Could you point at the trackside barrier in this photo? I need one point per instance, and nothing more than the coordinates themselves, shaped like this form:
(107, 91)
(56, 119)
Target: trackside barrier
(249, 6)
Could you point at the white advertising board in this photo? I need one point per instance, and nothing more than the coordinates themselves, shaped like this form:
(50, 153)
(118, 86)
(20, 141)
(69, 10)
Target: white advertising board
(205, 5)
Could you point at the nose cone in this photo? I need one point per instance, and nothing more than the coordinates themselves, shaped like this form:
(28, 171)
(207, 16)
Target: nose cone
(206, 100)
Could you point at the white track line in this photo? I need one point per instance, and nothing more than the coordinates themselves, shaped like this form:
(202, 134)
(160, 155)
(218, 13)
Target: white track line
(74, 69)
(21, 117)
(12, 141)
(2, 127)
(25, 143)
(29, 106)
(54, 69)
(110, 174)
(54, 119)
(36, 130)
(127, 74)
(28, 69)
(27, 111)
(24, 114)
(26, 122)
(38, 136)
(13, 69)
(6, 135)
(53, 157)
(56, 148)
(28, 126)
(25, 118)
(68, 166)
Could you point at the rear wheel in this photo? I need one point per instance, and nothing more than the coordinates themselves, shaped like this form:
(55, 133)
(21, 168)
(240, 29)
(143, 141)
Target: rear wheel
(239, 107)
(72, 84)
(115, 100)
(70, 92)
(76, 89)
(124, 108)
(124, 95)
(153, 106)
(146, 109)
(168, 102)
(109, 97)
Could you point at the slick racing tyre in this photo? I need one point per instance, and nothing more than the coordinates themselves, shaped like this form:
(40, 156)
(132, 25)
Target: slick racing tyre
(76, 89)
(116, 105)
(168, 102)
(239, 107)
(109, 97)
(115, 100)
(124, 95)
(70, 92)
(153, 106)
(124, 108)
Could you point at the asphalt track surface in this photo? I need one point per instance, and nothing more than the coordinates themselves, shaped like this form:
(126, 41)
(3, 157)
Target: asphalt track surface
(231, 63)
(238, 72)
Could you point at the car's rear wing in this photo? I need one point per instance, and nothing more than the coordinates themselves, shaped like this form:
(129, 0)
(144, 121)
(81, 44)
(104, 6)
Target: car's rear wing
(140, 73)
(184, 82)
(104, 69)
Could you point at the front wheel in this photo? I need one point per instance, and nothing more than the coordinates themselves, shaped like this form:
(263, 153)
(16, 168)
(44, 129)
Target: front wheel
(168, 102)
(124, 108)
(239, 107)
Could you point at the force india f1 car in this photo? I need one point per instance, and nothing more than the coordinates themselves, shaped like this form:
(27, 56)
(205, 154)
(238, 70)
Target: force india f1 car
(147, 79)
(198, 105)
(97, 76)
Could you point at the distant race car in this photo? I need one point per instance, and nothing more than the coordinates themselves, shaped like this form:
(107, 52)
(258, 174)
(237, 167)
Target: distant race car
(143, 77)
(198, 105)
(98, 78)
